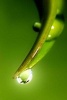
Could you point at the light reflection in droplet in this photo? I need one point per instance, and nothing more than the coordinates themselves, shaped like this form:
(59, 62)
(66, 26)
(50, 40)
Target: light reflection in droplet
(49, 35)
(25, 77)
(52, 27)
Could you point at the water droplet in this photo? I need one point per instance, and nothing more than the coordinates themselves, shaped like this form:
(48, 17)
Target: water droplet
(56, 28)
(37, 26)
(25, 77)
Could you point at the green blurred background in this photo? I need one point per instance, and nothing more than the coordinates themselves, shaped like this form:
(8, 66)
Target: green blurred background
(16, 38)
